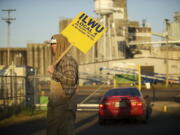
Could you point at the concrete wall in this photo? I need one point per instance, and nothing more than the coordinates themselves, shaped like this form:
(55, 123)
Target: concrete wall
(39, 57)
(161, 52)
(17, 55)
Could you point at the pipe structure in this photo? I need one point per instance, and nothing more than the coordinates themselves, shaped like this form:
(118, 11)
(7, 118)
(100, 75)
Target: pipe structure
(154, 42)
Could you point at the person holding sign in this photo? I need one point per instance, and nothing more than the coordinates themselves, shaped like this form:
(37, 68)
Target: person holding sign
(62, 105)
(82, 33)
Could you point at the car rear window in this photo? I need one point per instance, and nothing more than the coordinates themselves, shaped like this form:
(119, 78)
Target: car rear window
(123, 92)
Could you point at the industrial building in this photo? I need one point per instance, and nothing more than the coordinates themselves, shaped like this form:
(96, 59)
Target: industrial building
(116, 44)
(120, 31)
(119, 42)
(17, 55)
(174, 27)
(39, 57)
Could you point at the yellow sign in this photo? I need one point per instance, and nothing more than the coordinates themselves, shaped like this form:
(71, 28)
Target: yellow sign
(83, 32)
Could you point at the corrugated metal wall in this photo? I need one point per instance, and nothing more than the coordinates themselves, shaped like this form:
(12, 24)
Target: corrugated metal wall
(174, 30)
(39, 57)
(17, 55)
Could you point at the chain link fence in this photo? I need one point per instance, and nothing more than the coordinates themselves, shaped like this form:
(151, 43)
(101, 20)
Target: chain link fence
(12, 90)
(22, 93)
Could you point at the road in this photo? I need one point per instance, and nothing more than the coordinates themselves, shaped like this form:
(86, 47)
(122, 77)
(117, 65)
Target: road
(159, 124)
(87, 124)
(164, 123)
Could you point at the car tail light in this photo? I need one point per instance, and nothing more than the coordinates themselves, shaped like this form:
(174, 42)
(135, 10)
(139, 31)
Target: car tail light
(139, 104)
(136, 102)
(101, 105)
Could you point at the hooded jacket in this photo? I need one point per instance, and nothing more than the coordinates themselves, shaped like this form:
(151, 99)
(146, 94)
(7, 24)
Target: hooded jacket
(62, 45)
(65, 77)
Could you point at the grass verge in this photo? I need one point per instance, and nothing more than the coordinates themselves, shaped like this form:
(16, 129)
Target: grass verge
(23, 117)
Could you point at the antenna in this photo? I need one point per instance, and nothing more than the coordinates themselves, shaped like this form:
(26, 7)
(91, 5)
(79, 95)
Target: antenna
(8, 21)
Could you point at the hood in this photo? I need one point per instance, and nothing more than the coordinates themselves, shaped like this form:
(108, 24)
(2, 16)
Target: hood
(62, 44)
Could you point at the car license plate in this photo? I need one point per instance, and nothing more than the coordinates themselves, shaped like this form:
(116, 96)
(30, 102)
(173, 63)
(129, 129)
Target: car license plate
(122, 104)
(116, 104)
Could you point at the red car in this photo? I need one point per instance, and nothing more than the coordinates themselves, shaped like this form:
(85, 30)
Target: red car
(123, 103)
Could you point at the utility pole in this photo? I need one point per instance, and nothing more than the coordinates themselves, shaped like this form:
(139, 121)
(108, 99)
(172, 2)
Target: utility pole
(167, 53)
(8, 21)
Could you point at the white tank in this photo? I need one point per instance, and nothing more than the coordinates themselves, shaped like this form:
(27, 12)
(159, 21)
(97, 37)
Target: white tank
(103, 6)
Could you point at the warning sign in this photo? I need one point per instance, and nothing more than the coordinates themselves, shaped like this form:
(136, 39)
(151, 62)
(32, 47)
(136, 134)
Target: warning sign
(83, 32)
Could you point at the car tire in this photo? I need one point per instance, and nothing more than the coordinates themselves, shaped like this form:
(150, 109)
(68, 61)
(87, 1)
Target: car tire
(101, 121)
(144, 119)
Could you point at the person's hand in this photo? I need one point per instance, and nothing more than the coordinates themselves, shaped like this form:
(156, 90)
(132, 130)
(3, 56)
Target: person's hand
(77, 90)
(50, 69)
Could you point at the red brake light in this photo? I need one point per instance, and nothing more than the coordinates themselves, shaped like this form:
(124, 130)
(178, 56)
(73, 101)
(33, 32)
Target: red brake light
(136, 102)
(133, 102)
(139, 104)
(101, 105)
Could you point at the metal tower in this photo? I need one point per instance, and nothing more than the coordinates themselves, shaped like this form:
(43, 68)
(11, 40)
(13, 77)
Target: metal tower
(8, 21)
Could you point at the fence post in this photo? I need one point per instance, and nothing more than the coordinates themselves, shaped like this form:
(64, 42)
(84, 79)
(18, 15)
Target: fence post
(115, 82)
(139, 77)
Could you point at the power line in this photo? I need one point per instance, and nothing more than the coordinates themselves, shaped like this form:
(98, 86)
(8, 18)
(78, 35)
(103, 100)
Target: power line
(8, 20)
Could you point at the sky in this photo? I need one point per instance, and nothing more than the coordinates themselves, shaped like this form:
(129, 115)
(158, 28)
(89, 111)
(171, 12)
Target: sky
(37, 20)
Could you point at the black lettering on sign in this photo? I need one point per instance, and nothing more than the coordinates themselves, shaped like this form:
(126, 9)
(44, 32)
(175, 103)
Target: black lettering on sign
(81, 16)
(91, 23)
(99, 26)
(84, 19)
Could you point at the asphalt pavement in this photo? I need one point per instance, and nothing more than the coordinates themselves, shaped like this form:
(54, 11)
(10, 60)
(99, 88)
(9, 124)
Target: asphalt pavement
(165, 120)
(164, 123)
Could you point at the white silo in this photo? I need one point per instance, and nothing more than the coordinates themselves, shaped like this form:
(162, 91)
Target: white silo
(105, 8)
(174, 27)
